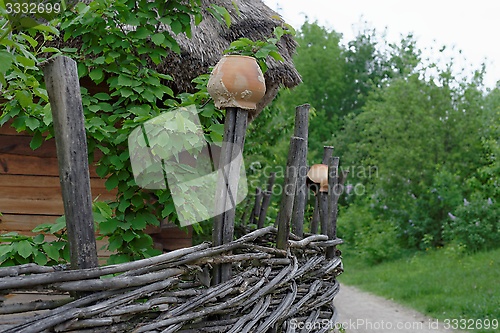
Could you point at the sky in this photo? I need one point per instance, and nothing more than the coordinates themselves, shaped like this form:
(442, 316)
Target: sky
(470, 26)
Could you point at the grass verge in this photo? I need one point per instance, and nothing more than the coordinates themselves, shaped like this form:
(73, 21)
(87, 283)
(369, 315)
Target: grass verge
(444, 284)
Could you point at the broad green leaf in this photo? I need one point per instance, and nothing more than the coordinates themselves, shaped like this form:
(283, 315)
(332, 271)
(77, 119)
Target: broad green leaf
(5, 249)
(129, 235)
(6, 59)
(36, 141)
(24, 98)
(276, 55)
(108, 227)
(39, 258)
(124, 204)
(124, 80)
(32, 123)
(168, 209)
(24, 248)
(102, 96)
(176, 27)
(38, 239)
(142, 242)
(103, 208)
(96, 75)
(141, 33)
(50, 50)
(158, 38)
(51, 251)
(111, 182)
(59, 224)
(115, 242)
(44, 227)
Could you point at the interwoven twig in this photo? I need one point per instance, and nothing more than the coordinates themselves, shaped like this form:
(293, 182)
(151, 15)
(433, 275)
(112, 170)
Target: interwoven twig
(171, 293)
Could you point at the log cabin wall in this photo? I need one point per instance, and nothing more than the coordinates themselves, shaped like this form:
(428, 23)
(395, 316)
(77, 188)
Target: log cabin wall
(30, 192)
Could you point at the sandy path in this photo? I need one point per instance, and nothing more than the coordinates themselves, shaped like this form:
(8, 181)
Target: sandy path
(361, 312)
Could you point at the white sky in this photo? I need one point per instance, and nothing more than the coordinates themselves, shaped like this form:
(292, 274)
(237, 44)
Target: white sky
(470, 26)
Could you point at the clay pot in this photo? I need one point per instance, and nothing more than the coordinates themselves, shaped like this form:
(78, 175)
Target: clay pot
(236, 81)
(318, 174)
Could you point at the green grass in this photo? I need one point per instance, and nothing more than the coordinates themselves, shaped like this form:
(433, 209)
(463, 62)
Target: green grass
(443, 284)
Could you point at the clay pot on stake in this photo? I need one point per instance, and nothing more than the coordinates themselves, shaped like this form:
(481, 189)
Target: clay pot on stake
(237, 81)
(236, 84)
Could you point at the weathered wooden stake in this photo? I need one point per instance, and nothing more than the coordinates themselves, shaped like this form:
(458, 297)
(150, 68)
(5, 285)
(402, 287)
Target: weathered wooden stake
(63, 88)
(266, 200)
(299, 206)
(256, 208)
(333, 197)
(315, 217)
(286, 205)
(323, 196)
(234, 138)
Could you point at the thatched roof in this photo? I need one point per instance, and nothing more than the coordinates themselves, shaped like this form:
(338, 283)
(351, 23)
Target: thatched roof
(210, 38)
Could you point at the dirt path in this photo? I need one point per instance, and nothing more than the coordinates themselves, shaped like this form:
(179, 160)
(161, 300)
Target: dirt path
(361, 312)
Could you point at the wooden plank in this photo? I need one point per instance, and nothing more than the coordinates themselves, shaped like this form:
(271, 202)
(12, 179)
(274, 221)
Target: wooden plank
(97, 184)
(299, 206)
(175, 232)
(63, 88)
(31, 204)
(23, 224)
(20, 145)
(173, 243)
(44, 206)
(7, 129)
(33, 165)
(288, 196)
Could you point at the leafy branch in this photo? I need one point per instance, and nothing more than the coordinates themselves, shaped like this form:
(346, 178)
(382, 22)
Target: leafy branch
(261, 49)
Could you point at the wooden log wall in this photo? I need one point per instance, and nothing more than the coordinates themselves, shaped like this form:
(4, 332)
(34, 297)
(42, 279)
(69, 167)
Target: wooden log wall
(30, 192)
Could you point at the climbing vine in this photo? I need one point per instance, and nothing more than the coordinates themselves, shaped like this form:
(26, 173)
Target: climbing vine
(117, 45)
(117, 41)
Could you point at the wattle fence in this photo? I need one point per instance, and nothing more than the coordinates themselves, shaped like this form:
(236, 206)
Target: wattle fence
(270, 279)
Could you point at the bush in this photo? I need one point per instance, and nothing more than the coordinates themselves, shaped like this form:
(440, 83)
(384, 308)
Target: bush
(476, 225)
(373, 239)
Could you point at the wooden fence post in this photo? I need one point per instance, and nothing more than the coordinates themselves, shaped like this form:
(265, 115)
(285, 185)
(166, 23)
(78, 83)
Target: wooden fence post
(256, 208)
(333, 197)
(299, 206)
(323, 196)
(266, 200)
(289, 185)
(63, 88)
(235, 126)
(315, 217)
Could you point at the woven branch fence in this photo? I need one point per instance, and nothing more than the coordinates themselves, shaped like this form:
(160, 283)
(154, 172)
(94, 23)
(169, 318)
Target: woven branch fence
(270, 288)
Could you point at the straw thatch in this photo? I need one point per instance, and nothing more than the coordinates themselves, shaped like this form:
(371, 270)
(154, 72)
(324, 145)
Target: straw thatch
(210, 38)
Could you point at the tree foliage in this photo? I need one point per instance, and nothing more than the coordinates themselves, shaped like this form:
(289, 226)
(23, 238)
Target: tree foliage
(421, 143)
